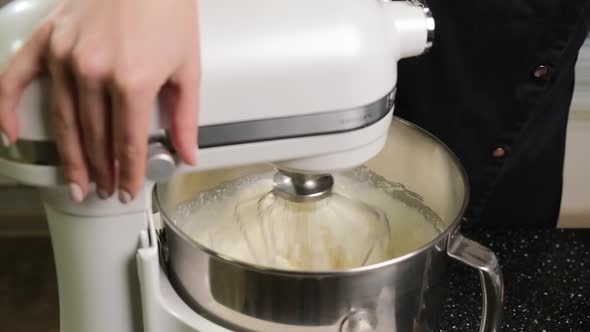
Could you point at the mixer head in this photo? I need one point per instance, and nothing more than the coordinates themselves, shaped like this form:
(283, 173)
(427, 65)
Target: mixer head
(307, 93)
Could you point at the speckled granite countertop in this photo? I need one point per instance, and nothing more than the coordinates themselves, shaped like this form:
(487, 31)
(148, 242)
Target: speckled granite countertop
(546, 276)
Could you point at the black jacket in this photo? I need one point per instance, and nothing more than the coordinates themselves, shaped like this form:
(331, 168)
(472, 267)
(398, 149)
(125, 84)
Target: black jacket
(496, 88)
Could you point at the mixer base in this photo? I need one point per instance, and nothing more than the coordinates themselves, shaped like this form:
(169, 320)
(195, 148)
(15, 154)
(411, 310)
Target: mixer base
(162, 309)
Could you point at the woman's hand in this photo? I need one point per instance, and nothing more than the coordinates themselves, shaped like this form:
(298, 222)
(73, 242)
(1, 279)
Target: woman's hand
(108, 61)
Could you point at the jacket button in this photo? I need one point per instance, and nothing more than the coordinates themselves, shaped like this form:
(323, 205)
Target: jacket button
(499, 153)
(541, 71)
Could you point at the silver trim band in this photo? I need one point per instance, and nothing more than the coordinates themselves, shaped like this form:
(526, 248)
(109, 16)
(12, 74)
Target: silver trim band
(295, 126)
(46, 153)
(430, 28)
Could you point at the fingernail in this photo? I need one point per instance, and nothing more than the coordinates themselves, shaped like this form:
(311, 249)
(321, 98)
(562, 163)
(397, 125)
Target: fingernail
(5, 140)
(194, 161)
(124, 196)
(76, 192)
(102, 194)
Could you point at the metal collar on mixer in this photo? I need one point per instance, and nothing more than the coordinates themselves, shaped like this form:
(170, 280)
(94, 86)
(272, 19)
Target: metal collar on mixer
(298, 187)
(430, 26)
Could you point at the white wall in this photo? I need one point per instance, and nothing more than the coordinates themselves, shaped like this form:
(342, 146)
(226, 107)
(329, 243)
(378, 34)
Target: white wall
(575, 206)
(575, 210)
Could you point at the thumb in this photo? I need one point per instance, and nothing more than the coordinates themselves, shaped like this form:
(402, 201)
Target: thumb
(21, 69)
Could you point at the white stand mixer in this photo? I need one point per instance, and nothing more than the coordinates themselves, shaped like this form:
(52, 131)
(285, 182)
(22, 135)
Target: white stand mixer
(305, 84)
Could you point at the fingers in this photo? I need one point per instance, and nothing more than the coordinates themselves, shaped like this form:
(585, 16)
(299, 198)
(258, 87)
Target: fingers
(94, 119)
(67, 134)
(132, 100)
(24, 66)
(94, 114)
(183, 103)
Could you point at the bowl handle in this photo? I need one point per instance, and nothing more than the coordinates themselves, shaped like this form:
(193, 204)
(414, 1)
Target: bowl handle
(483, 259)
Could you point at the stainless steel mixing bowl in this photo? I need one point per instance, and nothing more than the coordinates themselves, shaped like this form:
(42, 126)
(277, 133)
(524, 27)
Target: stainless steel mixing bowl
(403, 294)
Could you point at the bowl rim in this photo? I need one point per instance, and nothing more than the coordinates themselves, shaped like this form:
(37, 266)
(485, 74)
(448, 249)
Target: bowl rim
(336, 272)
